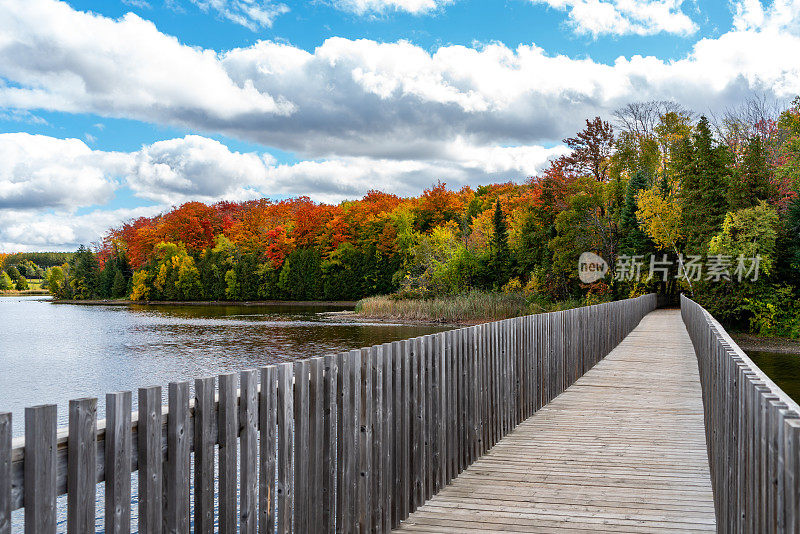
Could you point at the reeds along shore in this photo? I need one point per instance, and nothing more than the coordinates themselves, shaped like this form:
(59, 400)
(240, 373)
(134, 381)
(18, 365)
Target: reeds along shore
(471, 307)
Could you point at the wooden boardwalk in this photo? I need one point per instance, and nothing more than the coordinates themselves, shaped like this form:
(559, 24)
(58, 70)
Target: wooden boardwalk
(621, 450)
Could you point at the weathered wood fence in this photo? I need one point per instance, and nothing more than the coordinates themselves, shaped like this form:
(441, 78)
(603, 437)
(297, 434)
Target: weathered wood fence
(752, 433)
(352, 442)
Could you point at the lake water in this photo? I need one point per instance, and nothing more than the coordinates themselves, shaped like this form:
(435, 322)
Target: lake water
(782, 368)
(51, 353)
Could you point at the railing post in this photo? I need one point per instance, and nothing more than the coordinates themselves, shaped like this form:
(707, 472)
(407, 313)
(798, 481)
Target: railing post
(149, 431)
(248, 442)
(40, 469)
(176, 472)
(205, 439)
(81, 466)
(118, 462)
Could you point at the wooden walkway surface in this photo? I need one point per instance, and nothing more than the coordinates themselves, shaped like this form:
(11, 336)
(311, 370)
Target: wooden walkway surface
(622, 450)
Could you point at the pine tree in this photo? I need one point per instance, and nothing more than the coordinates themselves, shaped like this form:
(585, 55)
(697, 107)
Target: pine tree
(634, 240)
(501, 257)
(83, 273)
(701, 165)
(120, 287)
(752, 182)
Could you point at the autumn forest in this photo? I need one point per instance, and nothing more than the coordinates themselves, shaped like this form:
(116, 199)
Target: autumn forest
(654, 180)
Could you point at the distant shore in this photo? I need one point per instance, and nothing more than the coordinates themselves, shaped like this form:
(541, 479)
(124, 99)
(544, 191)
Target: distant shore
(749, 342)
(254, 303)
(26, 293)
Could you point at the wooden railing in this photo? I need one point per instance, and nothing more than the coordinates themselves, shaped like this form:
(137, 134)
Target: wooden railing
(343, 443)
(752, 433)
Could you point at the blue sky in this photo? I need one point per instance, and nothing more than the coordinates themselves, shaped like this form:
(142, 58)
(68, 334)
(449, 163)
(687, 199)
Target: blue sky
(116, 109)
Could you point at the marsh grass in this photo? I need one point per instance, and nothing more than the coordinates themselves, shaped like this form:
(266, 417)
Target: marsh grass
(471, 307)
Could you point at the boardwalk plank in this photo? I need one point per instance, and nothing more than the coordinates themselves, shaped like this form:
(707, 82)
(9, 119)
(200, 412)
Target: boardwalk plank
(592, 460)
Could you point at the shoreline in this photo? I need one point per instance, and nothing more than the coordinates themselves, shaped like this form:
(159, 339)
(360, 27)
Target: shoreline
(25, 293)
(749, 342)
(252, 303)
(353, 316)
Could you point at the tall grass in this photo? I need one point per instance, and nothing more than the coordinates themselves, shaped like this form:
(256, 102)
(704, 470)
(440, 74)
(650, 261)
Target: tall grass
(474, 306)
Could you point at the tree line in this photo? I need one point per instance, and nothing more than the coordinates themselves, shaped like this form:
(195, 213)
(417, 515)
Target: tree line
(653, 181)
(18, 268)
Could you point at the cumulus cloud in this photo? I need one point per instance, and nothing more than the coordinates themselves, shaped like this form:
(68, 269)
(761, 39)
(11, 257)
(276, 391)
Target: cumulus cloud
(44, 172)
(415, 7)
(66, 60)
(361, 98)
(41, 172)
(625, 17)
(252, 14)
(195, 168)
(32, 230)
(779, 15)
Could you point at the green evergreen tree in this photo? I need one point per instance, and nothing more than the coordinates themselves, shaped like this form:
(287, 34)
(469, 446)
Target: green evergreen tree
(301, 276)
(634, 240)
(501, 256)
(120, 286)
(752, 182)
(343, 277)
(83, 274)
(247, 279)
(701, 164)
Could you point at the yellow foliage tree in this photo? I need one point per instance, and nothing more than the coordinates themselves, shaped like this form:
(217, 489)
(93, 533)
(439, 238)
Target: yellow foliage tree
(659, 216)
(140, 290)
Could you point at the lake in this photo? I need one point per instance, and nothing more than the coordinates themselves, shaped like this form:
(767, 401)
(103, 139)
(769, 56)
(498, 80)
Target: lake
(782, 368)
(51, 353)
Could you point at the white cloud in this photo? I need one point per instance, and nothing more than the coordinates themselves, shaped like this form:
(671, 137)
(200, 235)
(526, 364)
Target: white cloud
(195, 168)
(31, 230)
(415, 7)
(779, 15)
(252, 14)
(44, 172)
(361, 98)
(72, 61)
(625, 17)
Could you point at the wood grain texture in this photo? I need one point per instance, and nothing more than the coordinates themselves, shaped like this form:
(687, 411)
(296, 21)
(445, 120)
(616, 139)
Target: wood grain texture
(286, 466)
(149, 455)
(81, 466)
(118, 463)
(205, 439)
(592, 460)
(228, 429)
(40, 469)
(330, 461)
(248, 443)
(176, 472)
(301, 446)
(267, 414)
